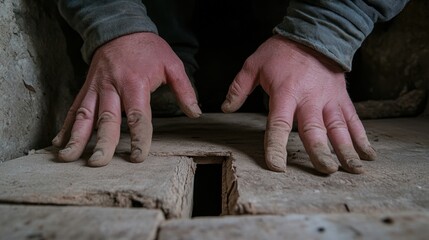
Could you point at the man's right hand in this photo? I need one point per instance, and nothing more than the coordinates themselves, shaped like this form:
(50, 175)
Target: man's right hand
(122, 75)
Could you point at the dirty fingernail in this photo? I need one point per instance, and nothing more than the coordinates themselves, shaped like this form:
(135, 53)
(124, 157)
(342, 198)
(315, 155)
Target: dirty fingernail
(136, 156)
(96, 156)
(277, 164)
(355, 166)
(98, 159)
(372, 154)
(55, 141)
(196, 110)
(323, 161)
(65, 150)
(349, 159)
(368, 153)
(226, 106)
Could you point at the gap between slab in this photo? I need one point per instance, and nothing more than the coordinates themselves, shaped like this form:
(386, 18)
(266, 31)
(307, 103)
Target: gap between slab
(214, 185)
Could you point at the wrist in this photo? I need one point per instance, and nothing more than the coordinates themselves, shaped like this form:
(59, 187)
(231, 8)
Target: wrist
(309, 52)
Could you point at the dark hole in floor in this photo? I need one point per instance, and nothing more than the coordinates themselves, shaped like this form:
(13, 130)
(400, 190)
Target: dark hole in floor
(207, 190)
(136, 204)
(387, 220)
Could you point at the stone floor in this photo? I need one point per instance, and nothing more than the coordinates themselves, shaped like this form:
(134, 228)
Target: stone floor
(43, 199)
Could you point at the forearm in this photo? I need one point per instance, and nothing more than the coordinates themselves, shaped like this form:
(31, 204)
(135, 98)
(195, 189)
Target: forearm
(335, 28)
(100, 21)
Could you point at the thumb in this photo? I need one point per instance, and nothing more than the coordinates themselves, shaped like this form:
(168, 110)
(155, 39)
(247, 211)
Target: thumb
(240, 88)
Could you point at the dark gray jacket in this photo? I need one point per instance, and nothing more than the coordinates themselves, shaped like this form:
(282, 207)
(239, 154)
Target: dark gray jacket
(336, 28)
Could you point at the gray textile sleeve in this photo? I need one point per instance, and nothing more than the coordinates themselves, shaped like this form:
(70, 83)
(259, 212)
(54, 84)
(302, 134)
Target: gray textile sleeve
(336, 28)
(99, 21)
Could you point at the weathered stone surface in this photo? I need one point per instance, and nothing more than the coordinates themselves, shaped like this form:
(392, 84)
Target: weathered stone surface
(35, 76)
(411, 225)
(397, 180)
(394, 59)
(36, 222)
(159, 182)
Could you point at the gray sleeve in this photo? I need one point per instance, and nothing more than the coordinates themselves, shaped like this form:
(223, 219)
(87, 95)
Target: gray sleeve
(336, 28)
(99, 21)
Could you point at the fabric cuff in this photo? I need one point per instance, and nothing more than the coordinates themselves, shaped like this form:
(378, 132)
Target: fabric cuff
(112, 21)
(333, 28)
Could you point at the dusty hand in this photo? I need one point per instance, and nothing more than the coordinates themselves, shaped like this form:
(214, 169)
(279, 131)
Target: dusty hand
(122, 75)
(306, 86)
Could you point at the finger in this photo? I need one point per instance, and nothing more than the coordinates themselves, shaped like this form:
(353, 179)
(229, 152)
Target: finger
(240, 88)
(109, 125)
(357, 132)
(279, 126)
(182, 88)
(64, 134)
(313, 134)
(136, 100)
(82, 128)
(339, 136)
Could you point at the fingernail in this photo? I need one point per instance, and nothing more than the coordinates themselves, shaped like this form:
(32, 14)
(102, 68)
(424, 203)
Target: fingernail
(226, 105)
(276, 163)
(324, 161)
(328, 167)
(355, 166)
(372, 154)
(196, 110)
(55, 141)
(96, 156)
(65, 150)
(136, 156)
(368, 153)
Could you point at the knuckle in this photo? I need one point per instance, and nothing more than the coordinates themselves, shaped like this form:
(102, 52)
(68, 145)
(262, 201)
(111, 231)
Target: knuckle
(355, 124)
(176, 66)
(248, 64)
(106, 117)
(133, 77)
(336, 124)
(353, 119)
(133, 118)
(137, 117)
(106, 87)
(280, 125)
(235, 89)
(84, 114)
(310, 126)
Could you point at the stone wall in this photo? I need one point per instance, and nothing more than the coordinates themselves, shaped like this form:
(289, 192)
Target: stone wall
(394, 60)
(35, 76)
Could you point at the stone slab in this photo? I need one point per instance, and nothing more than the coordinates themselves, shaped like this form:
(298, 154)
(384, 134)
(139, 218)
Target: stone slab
(407, 225)
(397, 181)
(47, 222)
(164, 183)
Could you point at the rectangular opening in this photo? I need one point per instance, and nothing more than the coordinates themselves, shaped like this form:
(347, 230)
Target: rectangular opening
(208, 188)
